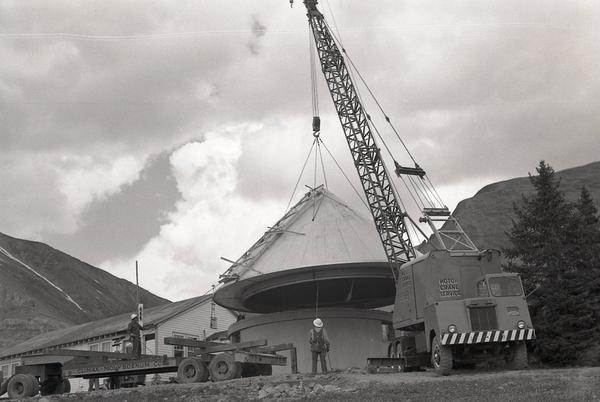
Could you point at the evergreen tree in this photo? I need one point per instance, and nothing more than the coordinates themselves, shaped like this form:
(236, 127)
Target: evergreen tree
(586, 234)
(540, 231)
(556, 248)
(586, 254)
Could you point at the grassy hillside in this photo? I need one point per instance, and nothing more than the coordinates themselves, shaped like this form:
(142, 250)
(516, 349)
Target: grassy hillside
(42, 289)
(486, 217)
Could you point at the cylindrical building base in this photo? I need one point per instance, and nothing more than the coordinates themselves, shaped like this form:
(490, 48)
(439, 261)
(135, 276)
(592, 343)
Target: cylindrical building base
(354, 334)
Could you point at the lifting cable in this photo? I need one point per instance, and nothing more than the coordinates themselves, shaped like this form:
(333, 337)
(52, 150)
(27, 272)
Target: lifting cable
(317, 301)
(313, 77)
(358, 194)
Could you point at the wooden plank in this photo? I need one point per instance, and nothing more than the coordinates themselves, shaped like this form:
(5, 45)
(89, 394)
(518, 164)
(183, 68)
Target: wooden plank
(88, 353)
(235, 346)
(213, 347)
(275, 348)
(191, 343)
(294, 360)
(259, 358)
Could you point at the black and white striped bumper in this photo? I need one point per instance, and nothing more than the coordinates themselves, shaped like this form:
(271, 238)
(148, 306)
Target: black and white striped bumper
(488, 336)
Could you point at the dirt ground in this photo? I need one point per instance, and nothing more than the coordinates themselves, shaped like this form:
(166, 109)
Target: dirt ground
(577, 384)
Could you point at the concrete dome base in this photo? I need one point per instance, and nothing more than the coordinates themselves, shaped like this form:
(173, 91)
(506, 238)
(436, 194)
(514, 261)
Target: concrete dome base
(355, 335)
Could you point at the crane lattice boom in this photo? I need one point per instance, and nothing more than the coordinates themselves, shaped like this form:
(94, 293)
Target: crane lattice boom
(387, 214)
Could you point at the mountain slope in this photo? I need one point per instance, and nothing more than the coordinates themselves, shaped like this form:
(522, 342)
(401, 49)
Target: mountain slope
(487, 216)
(42, 289)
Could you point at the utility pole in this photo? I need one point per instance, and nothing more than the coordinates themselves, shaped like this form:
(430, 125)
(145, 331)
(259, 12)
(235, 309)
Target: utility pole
(139, 305)
(137, 285)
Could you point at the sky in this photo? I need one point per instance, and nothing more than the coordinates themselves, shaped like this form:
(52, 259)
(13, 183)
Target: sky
(174, 132)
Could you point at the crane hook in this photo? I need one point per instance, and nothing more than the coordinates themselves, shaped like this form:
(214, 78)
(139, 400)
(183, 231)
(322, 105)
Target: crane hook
(291, 3)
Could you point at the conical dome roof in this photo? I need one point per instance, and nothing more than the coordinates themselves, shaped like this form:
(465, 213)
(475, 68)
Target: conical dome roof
(321, 251)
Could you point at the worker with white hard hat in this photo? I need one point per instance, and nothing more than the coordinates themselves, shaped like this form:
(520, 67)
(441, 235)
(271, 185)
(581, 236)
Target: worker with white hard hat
(319, 345)
(133, 329)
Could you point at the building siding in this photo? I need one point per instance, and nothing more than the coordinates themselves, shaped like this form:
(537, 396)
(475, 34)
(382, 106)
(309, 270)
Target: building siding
(194, 323)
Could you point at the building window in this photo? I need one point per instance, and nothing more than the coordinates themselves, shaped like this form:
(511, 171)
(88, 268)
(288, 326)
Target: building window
(13, 368)
(387, 332)
(183, 351)
(5, 372)
(95, 347)
(106, 346)
(177, 349)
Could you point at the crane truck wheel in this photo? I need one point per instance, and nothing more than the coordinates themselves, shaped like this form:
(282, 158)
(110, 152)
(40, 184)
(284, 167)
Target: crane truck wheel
(516, 356)
(441, 357)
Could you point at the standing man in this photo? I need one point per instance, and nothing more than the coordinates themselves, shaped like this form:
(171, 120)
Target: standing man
(133, 329)
(319, 345)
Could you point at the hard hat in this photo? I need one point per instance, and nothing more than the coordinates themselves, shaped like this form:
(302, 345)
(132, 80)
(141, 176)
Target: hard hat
(318, 323)
(132, 316)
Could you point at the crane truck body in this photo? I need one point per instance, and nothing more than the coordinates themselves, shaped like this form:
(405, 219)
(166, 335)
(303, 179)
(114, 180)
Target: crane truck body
(458, 310)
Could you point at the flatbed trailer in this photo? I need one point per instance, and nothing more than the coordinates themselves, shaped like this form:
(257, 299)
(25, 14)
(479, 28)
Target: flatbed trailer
(50, 371)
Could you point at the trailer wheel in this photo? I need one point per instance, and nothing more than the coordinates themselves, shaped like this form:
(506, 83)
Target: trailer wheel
(441, 357)
(222, 367)
(516, 356)
(238, 370)
(192, 370)
(4, 386)
(265, 369)
(63, 387)
(36, 385)
(48, 387)
(21, 386)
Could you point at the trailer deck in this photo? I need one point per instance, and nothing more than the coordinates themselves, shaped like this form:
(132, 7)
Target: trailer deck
(49, 372)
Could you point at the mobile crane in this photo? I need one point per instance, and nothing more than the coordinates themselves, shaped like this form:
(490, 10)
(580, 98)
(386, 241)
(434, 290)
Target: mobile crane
(454, 306)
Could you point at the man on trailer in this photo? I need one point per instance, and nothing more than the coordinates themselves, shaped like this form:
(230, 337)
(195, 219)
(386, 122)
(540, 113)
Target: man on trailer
(133, 329)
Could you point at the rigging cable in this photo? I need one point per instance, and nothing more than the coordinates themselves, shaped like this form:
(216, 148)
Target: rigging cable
(387, 118)
(300, 176)
(428, 190)
(322, 164)
(346, 176)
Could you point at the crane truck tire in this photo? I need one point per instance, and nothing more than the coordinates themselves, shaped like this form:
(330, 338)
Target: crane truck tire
(441, 357)
(222, 367)
(192, 370)
(22, 386)
(516, 357)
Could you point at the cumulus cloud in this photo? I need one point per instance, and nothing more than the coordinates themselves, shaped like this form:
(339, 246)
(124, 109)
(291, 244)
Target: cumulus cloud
(89, 91)
(258, 31)
(49, 191)
(211, 220)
